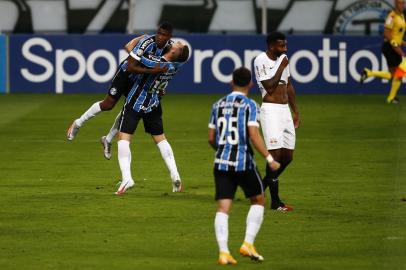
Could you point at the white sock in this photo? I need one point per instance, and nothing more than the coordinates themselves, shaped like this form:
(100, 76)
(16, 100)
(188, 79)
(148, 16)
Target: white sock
(124, 159)
(254, 220)
(169, 158)
(90, 113)
(114, 129)
(221, 229)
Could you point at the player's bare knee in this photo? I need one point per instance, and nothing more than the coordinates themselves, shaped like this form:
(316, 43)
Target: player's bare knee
(259, 199)
(158, 138)
(224, 205)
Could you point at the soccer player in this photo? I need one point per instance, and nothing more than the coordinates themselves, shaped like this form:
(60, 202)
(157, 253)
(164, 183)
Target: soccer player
(391, 48)
(123, 80)
(233, 122)
(278, 127)
(143, 102)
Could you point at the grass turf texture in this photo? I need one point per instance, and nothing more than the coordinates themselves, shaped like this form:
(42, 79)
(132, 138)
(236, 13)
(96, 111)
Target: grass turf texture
(58, 208)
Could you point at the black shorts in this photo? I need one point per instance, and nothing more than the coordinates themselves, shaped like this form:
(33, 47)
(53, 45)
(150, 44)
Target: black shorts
(120, 85)
(152, 121)
(227, 182)
(392, 58)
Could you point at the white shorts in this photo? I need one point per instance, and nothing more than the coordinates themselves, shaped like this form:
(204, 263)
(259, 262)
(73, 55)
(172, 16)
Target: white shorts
(277, 126)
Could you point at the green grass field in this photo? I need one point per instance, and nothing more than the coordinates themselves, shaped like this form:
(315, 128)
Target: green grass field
(58, 209)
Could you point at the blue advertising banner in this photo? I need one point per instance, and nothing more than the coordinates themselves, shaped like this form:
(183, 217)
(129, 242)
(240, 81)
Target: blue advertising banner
(86, 63)
(3, 65)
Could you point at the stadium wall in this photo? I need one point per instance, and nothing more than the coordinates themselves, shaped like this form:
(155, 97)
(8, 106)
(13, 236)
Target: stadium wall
(86, 63)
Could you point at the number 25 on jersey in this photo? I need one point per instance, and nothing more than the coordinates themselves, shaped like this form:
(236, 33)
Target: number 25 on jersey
(231, 127)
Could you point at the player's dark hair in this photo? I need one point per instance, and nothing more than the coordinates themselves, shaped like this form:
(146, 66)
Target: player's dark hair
(242, 76)
(184, 55)
(166, 26)
(275, 36)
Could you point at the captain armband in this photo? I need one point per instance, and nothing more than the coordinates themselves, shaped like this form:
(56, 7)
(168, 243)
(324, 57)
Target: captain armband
(394, 43)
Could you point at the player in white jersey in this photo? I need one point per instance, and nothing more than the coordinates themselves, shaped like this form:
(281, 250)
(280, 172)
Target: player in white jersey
(278, 126)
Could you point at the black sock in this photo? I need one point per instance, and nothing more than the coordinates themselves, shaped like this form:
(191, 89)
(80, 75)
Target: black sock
(273, 185)
(274, 190)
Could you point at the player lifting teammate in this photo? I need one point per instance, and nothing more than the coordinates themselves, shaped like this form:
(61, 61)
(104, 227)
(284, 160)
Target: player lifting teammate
(143, 102)
(128, 72)
(123, 80)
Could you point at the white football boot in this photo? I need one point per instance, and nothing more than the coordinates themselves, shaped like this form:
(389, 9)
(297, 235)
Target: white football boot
(72, 131)
(124, 186)
(106, 147)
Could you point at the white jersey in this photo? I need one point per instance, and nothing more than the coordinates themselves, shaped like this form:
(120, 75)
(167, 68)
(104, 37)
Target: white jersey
(265, 68)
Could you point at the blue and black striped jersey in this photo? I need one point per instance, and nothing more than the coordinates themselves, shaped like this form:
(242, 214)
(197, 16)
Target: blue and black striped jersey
(146, 47)
(230, 117)
(144, 95)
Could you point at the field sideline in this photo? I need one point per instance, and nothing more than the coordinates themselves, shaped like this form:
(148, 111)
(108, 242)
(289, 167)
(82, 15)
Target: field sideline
(58, 209)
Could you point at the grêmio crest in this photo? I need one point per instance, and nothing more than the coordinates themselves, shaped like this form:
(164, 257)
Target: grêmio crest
(366, 16)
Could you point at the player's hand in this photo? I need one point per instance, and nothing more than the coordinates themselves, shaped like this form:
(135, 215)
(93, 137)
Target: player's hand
(285, 61)
(296, 120)
(158, 69)
(274, 165)
(132, 43)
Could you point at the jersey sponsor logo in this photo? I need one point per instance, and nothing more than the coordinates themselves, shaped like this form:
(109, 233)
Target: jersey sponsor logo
(145, 44)
(226, 162)
(273, 141)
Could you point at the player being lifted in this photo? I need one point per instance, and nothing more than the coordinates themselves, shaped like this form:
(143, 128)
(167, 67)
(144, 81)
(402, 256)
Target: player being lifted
(123, 80)
(143, 102)
(233, 122)
(278, 127)
(391, 48)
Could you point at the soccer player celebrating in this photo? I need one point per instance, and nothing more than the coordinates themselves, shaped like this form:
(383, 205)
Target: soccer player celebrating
(143, 102)
(123, 80)
(233, 122)
(278, 127)
(391, 48)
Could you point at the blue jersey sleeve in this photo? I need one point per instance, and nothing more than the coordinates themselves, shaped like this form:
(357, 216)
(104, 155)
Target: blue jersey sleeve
(145, 45)
(253, 114)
